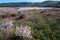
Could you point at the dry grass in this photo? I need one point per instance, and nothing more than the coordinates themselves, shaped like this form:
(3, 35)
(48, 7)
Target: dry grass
(45, 23)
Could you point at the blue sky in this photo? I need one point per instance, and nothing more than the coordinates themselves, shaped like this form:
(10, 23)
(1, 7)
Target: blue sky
(4, 1)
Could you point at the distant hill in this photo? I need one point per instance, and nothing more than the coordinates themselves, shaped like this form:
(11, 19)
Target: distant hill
(30, 4)
(51, 4)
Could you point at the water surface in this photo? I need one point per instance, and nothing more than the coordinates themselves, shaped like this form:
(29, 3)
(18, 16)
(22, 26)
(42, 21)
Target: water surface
(31, 8)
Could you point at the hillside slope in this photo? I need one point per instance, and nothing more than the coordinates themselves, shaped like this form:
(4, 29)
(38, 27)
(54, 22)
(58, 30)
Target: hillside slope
(31, 4)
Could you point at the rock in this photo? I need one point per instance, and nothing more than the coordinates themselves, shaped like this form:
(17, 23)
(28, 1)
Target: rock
(24, 31)
(6, 25)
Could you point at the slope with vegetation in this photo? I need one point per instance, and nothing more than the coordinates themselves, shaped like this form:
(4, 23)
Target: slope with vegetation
(31, 4)
(44, 24)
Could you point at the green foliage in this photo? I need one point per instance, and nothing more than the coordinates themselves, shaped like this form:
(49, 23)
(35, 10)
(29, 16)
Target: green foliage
(43, 27)
(46, 31)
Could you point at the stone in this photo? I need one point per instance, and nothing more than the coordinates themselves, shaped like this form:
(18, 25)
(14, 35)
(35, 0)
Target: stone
(24, 31)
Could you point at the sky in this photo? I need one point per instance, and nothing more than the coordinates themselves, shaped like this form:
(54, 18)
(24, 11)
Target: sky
(6, 1)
